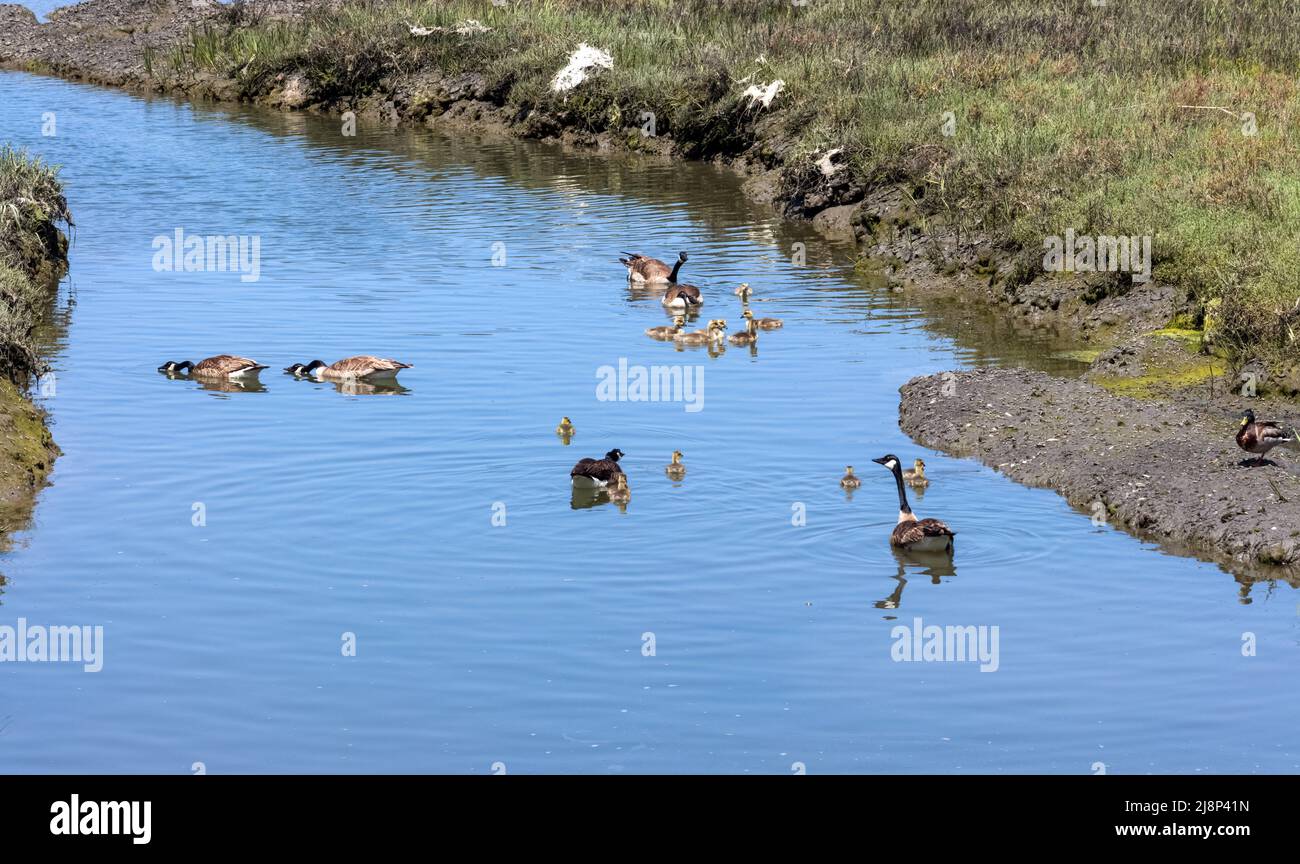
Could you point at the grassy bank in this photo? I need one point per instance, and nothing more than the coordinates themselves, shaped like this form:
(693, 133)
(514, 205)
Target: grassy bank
(1009, 121)
(33, 255)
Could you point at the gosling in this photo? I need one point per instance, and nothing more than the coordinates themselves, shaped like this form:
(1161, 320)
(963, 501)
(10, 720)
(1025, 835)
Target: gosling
(850, 480)
(675, 469)
(915, 476)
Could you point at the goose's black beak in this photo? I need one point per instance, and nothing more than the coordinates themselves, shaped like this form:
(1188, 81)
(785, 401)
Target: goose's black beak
(881, 461)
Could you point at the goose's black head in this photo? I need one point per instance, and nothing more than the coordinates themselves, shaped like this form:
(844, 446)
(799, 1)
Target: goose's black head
(173, 366)
(889, 460)
(1247, 416)
(614, 455)
(682, 256)
(295, 369)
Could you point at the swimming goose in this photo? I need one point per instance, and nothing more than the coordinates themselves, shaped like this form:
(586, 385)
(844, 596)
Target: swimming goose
(915, 476)
(361, 366)
(850, 480)
(769, 323)
(221, 366)
(916, 535)
(1261, 436)
(665, 333)
(675, 469)
(696, 337)
(682, 296)
(589, 473)
(643, 269)
(565, 429)
(743, 291)
(749, 335)
(619, 493)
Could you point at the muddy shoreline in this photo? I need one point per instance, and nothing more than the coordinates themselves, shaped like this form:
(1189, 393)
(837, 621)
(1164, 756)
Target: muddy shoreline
(1162, 466)
(1171, 473)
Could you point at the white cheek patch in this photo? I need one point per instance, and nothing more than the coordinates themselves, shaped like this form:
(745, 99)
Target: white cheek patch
(891, 464)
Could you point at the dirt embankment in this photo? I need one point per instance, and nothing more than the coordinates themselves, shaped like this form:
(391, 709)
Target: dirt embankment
(1168, 472)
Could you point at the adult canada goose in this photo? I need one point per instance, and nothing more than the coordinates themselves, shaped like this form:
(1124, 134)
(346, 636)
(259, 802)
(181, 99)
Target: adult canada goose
(643, 269)
(619, 493)
(1261, 436)
(665, 333)
(915, 535)
(749, 335)
(682, 296)
(675, 469)
(565, 429)
(915, 476)
(589, 473)
(850, 480)
(361, 366)
(221, 366)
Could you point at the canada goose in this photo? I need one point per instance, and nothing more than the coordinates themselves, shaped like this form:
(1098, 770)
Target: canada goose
(675, 469)
(590, 473)
(696, 337)
(619, 493)
(682, 296)
(850, 480)
(643, 269)
(749, 335)
(565, 429)
(915, 476)
(743, 291)
(221, 366)
(361, 366)
(923, 535)
(1261, 436)
(769, 323)
(665, 333)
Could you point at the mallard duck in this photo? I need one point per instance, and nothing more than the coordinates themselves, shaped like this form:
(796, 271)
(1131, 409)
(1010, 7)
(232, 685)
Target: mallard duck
(667, 332)
(675, 469)
(1261, 436)
(850, 480)
(589, 473)
(643, 269)
(682, 296)
(916, 535)
(749, 335)
(619, 493)
(221, 366)
(915, 476)
(565, 429)
(361, 366)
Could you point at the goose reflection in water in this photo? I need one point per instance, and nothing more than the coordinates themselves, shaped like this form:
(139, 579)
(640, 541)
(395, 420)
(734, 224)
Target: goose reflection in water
(218, 385)
(585, 498)
(357, 387)
(936, 565)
